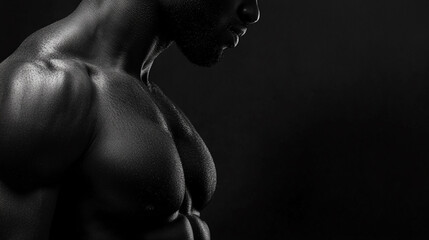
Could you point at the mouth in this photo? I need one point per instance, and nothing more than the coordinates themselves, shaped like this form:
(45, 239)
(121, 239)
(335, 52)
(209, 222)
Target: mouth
(236, 33)
(238, 30)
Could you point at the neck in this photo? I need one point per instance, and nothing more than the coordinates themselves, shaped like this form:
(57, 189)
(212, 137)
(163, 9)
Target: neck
(123, 35)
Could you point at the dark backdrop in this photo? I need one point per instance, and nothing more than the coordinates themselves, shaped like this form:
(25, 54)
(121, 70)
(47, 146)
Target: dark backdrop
(317, 121)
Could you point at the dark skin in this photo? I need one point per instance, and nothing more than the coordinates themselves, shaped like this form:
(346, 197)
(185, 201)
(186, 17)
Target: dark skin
(89, 147)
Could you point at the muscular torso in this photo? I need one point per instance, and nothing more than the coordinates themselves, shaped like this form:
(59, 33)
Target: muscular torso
(144, 173)
(147, 170)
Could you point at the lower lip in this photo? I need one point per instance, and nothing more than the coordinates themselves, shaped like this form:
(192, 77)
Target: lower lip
(235, 39)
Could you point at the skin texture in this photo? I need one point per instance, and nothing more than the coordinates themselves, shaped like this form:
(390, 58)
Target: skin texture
(89, 147)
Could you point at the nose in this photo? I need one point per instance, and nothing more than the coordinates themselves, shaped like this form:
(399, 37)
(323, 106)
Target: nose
(249, 12)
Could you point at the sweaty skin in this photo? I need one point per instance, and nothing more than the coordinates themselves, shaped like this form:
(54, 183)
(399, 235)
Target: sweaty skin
(89, 147)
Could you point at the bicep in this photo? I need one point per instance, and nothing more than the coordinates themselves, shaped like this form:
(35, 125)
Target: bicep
(32, 147)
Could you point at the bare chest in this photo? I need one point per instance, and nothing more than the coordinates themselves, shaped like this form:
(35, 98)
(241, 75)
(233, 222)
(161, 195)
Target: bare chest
(146, 157)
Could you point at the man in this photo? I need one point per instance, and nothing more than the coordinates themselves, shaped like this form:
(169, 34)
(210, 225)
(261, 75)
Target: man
(89, 147)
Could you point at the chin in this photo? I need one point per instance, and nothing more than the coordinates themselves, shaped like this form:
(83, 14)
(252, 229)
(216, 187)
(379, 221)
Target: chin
(205, 61)
(204, 57)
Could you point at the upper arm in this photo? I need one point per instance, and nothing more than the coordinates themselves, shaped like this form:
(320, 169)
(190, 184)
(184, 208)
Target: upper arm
(45, 121)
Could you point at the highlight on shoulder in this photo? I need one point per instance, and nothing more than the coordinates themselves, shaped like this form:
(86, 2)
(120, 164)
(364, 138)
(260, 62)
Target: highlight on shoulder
(44, 103)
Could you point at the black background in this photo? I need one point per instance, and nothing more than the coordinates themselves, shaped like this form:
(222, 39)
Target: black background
(317, 121)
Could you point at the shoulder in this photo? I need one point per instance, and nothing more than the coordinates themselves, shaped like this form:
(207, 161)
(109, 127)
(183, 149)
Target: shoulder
(44, 91)
(45, 113)
(54, 81)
